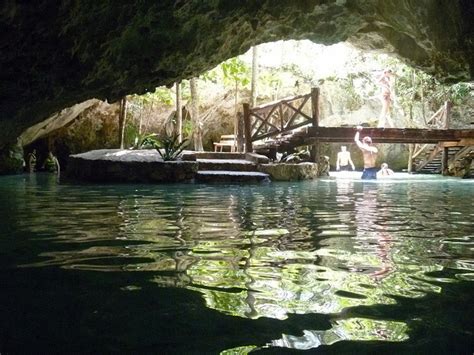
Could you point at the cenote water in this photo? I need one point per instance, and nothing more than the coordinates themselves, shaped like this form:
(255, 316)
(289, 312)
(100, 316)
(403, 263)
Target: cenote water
(330, 266)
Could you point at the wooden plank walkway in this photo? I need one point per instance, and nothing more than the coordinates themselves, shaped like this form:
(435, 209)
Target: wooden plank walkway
(391, 135)
(382, 135)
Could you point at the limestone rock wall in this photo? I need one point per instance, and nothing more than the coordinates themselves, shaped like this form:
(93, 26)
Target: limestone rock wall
(55, 53)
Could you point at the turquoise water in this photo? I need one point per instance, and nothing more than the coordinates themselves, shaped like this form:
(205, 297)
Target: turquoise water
(331, 266)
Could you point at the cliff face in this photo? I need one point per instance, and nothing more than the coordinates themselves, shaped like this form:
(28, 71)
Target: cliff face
(55, 53)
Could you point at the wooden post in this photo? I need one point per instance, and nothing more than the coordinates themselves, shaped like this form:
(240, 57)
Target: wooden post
(314, 151)
(444, 162)
(240, 132)
(315, 106)
(122, 116)
(447, 113)
(179, 112)
(253, 84)
(411, 148)
(248, 129)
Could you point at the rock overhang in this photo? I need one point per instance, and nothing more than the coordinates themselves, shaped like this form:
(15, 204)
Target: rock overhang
(58, 53)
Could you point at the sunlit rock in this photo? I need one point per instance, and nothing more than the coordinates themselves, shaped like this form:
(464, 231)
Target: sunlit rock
(461, 167)
(290, 172)
(115, 165)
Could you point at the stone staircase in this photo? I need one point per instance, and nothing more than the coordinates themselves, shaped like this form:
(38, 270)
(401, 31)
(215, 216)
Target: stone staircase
(217, 167)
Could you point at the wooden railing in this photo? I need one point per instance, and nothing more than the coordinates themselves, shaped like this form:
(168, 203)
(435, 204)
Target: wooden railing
(277, 118)
(439, 120)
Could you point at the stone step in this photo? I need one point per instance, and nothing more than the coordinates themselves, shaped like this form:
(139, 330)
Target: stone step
(209, 176)
(228, 165)
(219, 155)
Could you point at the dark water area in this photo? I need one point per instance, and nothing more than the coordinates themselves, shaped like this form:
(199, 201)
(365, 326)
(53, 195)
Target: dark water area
(329, 266)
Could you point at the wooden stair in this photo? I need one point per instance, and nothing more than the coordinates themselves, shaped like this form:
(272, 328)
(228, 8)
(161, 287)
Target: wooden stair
(431, 163)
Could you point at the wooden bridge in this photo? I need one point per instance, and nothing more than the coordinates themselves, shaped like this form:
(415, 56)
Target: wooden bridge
(293, 122)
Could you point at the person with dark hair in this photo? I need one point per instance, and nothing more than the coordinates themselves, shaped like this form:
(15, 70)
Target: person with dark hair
(369, 152)
(31, 161)
(51, 164)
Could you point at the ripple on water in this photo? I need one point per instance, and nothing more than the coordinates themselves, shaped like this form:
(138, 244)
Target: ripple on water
(260, 251)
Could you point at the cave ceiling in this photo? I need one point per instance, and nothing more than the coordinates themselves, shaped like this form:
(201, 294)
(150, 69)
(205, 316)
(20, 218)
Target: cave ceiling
(55, 53)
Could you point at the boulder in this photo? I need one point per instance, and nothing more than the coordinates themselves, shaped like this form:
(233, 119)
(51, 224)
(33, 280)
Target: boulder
(290, 172)
(461, 167)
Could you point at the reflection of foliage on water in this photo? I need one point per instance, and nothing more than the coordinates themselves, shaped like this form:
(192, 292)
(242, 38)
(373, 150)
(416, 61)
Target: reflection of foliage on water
(241, 350)
(266, 251)
(359, 329)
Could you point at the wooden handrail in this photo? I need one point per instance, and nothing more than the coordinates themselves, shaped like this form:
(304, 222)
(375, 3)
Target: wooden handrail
(441, 109)
(441, 117)
(273, 103)
(419, 151)
(278, 117)
(436, 150)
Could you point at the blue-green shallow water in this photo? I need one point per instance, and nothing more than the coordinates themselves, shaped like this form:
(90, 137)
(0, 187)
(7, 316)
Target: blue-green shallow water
(333, 266)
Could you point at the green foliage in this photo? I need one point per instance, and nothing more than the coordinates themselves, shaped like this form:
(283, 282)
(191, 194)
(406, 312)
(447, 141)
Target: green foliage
(211, 75)
(146, 141)
(460, 91)
(270, 78)
(11, 159)
(236, 71)
(344, 90)
(161, 95)
(415, 86)
(169, 147)
(187, 128)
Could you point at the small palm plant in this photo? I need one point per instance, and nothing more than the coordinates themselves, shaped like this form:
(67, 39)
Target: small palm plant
(169, 147)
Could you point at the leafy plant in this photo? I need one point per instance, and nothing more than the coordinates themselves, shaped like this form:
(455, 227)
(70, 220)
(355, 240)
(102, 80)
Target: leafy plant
(169, 147)
(236, 71)
(145, 141)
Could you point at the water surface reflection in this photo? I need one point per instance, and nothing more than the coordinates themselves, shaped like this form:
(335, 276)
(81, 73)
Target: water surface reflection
(324, 247)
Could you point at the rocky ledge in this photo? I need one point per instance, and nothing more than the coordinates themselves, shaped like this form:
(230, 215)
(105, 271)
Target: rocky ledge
(129, 166)
(116, 165)
(290, 172)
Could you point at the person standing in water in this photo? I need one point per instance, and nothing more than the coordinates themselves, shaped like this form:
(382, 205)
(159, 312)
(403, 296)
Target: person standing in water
(51, 164)
(369, 152)
(384, 171)
(385, 82)
(344, 159)
(31, 161)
